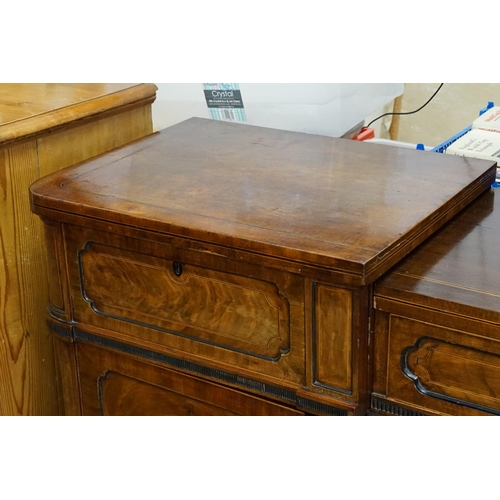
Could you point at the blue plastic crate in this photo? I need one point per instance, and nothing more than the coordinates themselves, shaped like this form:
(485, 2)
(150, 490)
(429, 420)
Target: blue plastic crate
(441, 148)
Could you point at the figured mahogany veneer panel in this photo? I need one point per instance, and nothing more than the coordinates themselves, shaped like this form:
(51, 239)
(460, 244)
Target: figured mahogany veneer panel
(224, 309)
(333, 338)
(117, 384)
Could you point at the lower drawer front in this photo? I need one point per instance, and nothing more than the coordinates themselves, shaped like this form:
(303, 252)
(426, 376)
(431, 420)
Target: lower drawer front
(445, 370)
(116, 384)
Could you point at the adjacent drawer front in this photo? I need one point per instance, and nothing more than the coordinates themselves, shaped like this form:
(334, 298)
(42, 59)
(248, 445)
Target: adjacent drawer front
(447, 370)
(442, 369)
(228, 311)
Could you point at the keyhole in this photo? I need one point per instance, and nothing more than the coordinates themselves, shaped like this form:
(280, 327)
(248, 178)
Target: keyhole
(177, 266)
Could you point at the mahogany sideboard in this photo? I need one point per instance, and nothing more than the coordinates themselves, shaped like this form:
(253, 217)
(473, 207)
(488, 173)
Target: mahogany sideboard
(437, 338)
(223, 269)
(44, 128)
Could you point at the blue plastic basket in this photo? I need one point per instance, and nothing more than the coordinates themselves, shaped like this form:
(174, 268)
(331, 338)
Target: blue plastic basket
(441, 148)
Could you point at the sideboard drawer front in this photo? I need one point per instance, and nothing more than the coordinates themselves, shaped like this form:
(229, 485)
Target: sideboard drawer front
(223, 309)
(161, 296)
(439, 368)
(116, 384)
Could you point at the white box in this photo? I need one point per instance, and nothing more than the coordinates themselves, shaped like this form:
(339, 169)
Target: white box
(330, 109)
(489, 120)
(477, 143)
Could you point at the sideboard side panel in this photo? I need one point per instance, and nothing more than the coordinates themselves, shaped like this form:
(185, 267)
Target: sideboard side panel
(332, 338)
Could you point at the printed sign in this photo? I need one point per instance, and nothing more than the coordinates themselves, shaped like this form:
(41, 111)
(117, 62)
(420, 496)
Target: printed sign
(224, 101)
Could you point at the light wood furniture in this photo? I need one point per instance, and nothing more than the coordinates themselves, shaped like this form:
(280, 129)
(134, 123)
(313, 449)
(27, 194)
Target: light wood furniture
(217, 268)
(394, 128)
(44, 128)
(437, 338)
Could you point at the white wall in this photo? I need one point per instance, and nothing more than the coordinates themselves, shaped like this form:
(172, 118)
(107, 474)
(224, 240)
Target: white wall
(318, 108)
(452, 109)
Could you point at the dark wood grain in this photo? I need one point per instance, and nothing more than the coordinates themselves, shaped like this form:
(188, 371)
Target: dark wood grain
(332, 202)
(457, 269)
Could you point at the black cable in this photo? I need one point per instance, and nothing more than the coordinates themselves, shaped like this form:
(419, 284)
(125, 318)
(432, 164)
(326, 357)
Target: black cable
(408, 112)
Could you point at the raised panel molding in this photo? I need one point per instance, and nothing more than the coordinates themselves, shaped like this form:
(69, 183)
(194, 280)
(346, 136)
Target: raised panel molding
(454, 373)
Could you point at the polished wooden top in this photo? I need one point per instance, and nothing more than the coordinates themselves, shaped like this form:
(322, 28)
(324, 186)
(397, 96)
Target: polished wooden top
(30, 108)
(329, 202)
(457, 270)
